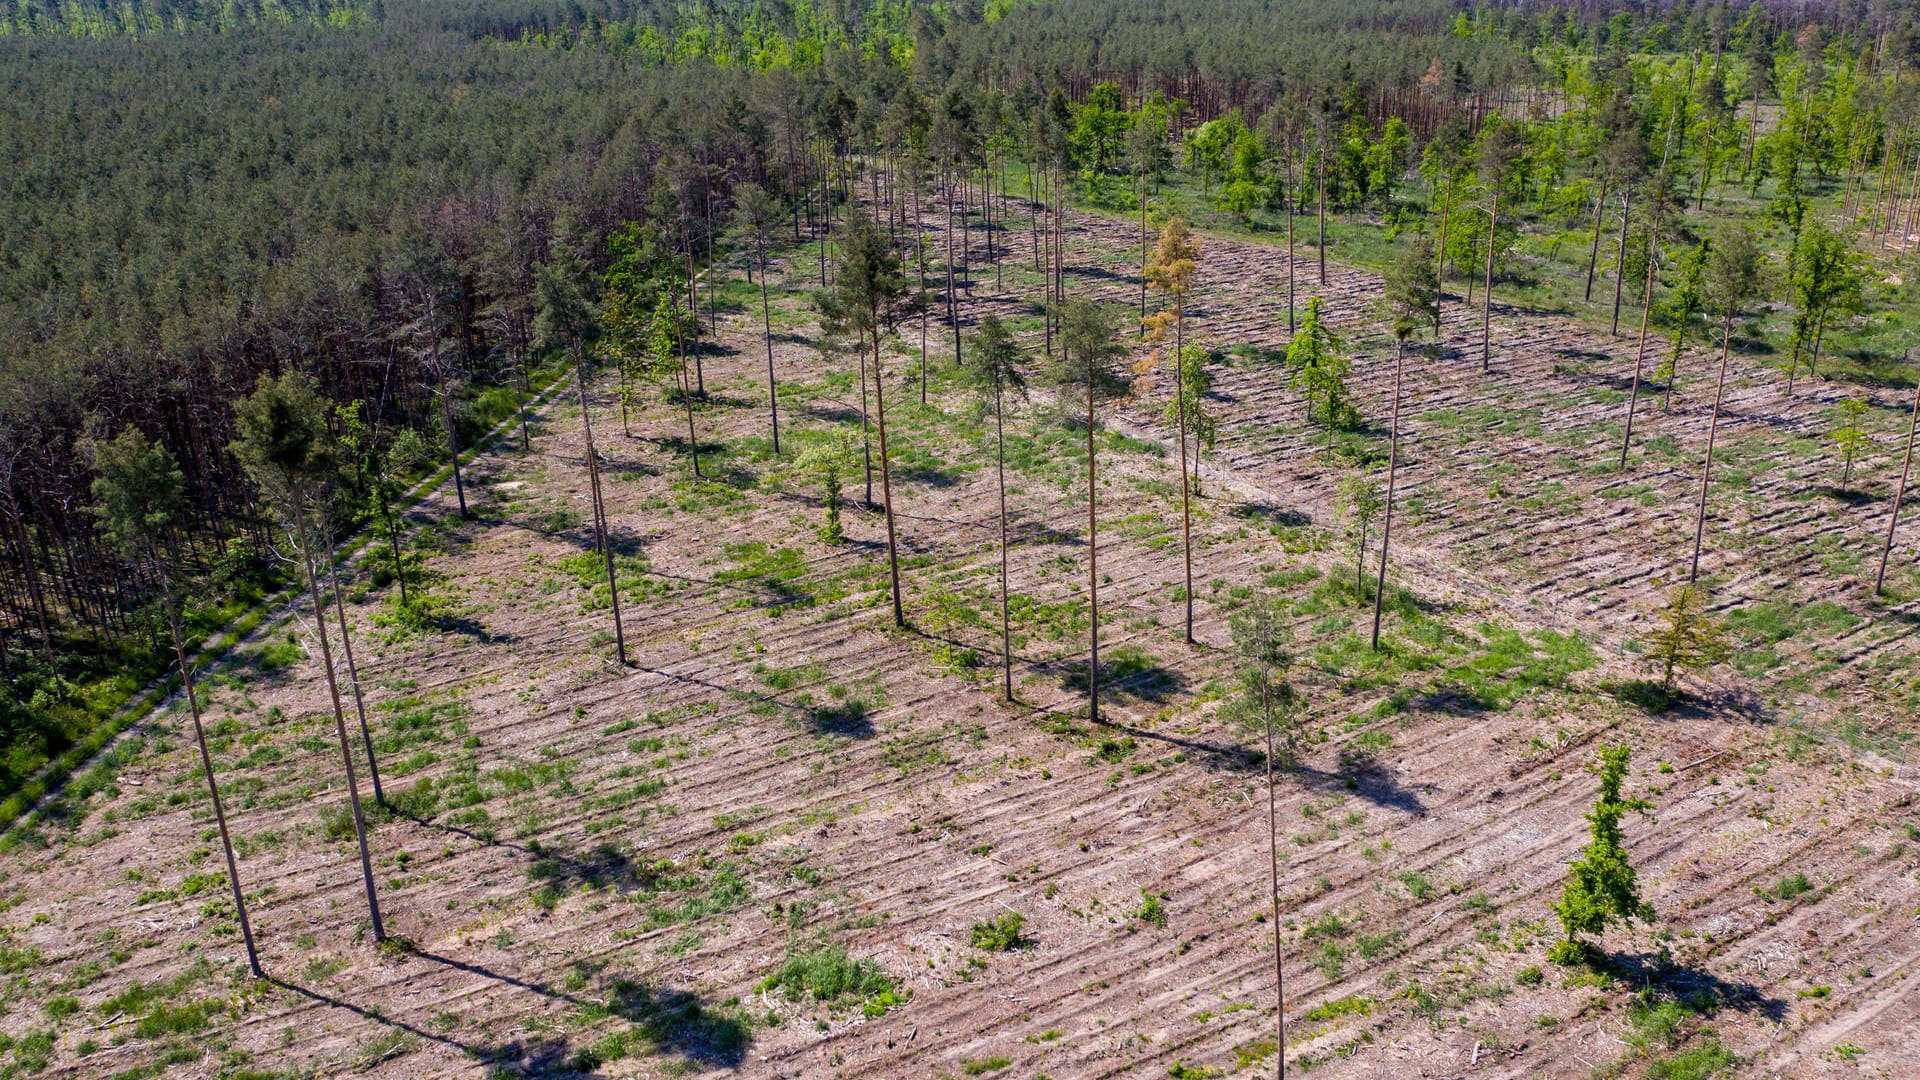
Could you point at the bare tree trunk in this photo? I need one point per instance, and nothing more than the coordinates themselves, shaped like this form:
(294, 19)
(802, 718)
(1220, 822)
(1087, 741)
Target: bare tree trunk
(353, 670)
(1143, 253)
(1000, 465)
(1620, 262)
(601, 522)
(1186, 504)
(1899, 493)
(886, 482)
(1322, 183)
(1093, 565)
(1593, 252)
(1486, 313)
(953, 311)
(453, 437)
(1640, 355)
(1440, 274)
(1273, 896)
(1713, 429)
(206, 765)
(866, 429)
(1290, 268)
(1393, 463)
(766, 324)
(339, 713)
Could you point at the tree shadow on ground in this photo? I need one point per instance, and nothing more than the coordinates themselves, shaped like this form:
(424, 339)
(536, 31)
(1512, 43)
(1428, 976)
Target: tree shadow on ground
(830, 412)
(1368, 779)
(1229, 758)
(679, 1023)
(1849, 495)
(672, 1022)
(603, 867)
(1130, 674)
(417, 1032)
(847, 719)
(1271, 516)
(1653, 697)
(1700, 991)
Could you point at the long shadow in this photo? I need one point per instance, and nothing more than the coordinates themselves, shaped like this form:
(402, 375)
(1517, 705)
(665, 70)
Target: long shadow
(1228, 758)
(1039, 532)
(671, 1021)
(319, 998)
(1850, 495)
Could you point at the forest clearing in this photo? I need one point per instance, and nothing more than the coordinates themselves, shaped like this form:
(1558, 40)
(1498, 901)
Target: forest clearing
(1004, 539)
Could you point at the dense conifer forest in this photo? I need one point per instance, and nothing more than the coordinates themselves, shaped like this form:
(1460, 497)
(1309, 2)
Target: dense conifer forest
(1600, 309)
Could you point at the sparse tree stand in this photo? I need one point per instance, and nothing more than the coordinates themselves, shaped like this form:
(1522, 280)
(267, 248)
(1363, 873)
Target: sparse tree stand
(1602, 886)
(1899, 493)
(1086, 375)
(282, 445)
(1171, 269)
(1733, 276)
(140, 494)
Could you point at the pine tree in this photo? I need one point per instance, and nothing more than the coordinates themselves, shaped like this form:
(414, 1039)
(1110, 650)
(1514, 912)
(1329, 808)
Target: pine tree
(283, 445)
(1602, 886)
(1412, 294)
(1320, 373)
(1268, 701)
(1687, 638)
(868, 299)
(1732, 278)
(1171, 269)
(994, 366)
(568, 319)
(758, 214)
(1088, 376)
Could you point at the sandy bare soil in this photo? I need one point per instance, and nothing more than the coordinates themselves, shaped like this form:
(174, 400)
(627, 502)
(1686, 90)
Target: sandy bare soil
(598, 869)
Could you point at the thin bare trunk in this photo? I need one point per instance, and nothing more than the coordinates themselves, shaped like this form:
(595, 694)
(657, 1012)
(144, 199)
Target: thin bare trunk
(1899, 493)
(353, 670)
(886, 482)
(1620, 262)
(1713, 429)
(206, 765)
(766, 324)
(1640, 354)
(1393, 464)
(1593, 251)
(601, 523)
(1486, 313)
(339, 712)
(1186, 504)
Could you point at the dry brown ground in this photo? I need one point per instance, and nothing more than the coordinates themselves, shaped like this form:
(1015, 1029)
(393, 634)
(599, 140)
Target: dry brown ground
(1437, 832)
